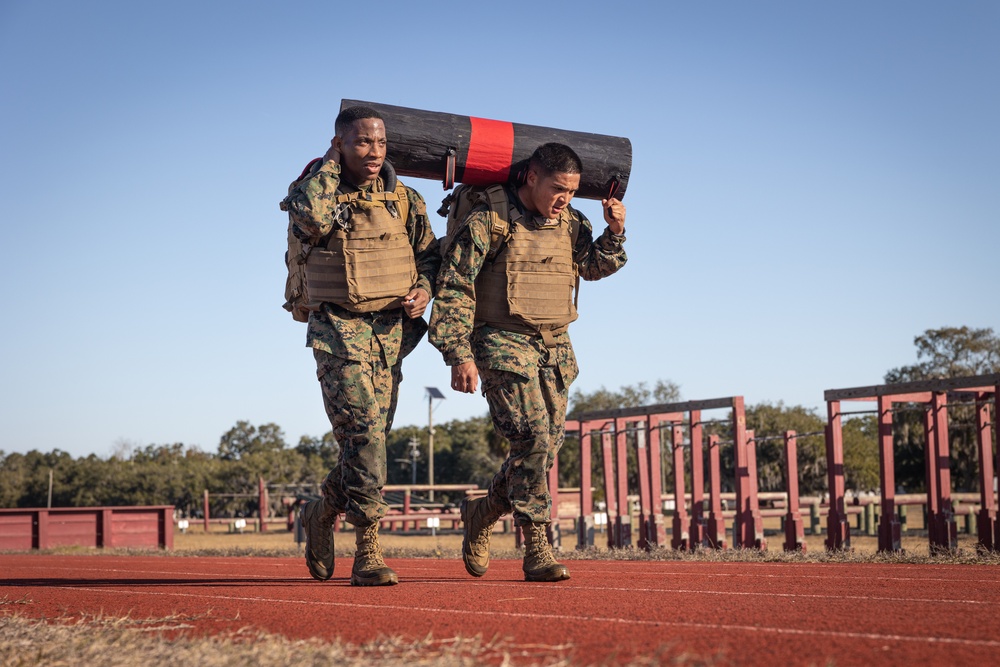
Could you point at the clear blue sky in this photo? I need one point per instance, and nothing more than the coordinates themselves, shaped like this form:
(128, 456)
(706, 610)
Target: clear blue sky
(813, 185)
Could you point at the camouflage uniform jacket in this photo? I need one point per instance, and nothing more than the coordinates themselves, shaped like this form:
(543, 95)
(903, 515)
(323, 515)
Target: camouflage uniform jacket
(387, 334)
(453, 329)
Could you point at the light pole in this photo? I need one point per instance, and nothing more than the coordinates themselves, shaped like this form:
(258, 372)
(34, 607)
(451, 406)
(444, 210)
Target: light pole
(432, 393)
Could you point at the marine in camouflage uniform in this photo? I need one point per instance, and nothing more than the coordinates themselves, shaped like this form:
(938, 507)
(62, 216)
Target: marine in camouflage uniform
(359, 354)
(525, 381)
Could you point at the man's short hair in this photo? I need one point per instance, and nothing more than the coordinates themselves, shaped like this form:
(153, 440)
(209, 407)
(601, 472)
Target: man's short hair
(551, 158)
(348, 116)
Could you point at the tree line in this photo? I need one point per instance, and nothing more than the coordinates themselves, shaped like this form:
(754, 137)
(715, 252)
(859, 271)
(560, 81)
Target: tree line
(469, 451)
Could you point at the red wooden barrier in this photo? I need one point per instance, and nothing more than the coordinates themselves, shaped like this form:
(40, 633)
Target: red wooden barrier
(45, 528)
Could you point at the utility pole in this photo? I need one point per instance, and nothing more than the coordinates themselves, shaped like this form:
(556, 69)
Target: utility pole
(432, 393)
(414, 455)
(412, 459)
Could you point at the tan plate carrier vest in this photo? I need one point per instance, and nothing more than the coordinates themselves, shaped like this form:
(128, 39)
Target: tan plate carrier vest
(528, 287)
(369, 267)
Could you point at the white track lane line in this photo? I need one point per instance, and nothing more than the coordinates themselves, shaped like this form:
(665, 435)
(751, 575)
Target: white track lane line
(783, 576)
(697, 591)
(870, 636)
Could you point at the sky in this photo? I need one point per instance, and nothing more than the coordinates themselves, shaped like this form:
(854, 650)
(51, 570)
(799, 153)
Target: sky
(813, 185)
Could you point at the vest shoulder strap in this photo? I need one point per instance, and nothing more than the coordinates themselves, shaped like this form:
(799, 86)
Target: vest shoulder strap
(574, 227)
(402, 201)
(500, 210)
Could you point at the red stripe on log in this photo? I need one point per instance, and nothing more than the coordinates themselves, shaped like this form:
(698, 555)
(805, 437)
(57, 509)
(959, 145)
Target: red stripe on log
(491, 148)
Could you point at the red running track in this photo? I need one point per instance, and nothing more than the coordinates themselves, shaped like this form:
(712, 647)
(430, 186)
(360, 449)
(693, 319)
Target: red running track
(747, 613)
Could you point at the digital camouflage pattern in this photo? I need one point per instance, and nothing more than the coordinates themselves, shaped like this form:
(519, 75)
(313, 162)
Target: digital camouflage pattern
(525, 383)
(531, 414)
(359, 355)
(360, 400)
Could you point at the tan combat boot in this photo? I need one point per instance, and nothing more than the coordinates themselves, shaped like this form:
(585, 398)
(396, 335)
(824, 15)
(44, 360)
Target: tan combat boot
(369, 568)
(317, 523)
(477, 519)
(539, 563)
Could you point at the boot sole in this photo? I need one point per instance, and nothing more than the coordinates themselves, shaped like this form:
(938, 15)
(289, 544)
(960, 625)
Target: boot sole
(317, 568)
(318, 575)
(474, 571)
(381, 581)
(561, 574)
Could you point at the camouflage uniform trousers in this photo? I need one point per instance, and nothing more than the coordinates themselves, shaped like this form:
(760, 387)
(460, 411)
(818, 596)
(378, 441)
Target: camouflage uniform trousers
(531, 414)
(360, 400)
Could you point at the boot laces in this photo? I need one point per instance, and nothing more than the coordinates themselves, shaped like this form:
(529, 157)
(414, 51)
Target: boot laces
(327, 520)
(482, 542)
(324, 521)
(371, 550)
(538, 542)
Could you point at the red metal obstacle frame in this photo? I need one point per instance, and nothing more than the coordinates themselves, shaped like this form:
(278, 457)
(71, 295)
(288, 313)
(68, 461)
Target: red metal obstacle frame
(647, 423)
(794, 528)
(940, 514)
(795, 536)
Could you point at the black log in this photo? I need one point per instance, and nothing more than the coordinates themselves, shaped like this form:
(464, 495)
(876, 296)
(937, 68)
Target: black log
(478, 151)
